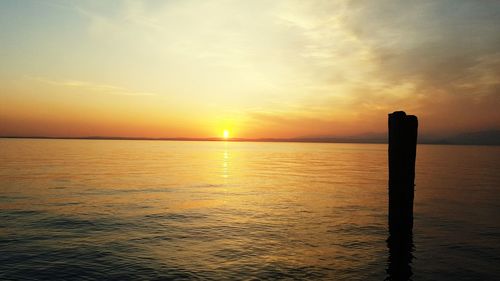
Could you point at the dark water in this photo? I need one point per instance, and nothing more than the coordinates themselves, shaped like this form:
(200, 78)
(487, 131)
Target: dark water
(95, 210)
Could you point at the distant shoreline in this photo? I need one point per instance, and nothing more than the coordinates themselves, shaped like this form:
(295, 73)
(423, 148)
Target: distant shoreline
(296, 140)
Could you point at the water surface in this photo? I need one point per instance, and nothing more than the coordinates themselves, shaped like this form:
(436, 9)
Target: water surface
(99, 209)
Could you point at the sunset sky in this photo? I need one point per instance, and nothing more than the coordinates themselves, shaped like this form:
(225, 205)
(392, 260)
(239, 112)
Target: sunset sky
(254, 68)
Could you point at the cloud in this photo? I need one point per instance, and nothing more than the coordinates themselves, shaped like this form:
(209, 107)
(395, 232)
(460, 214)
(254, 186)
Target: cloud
(448, 50)
(438, 59)
(93, 87)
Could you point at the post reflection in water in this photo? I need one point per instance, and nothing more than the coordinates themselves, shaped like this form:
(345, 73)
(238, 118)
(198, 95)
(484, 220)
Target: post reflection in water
(401, 248)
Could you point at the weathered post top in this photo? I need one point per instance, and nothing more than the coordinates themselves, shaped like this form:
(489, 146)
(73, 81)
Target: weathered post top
(402, 153)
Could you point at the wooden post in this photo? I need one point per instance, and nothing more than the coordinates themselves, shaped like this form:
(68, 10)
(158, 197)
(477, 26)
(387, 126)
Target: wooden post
(402, 153)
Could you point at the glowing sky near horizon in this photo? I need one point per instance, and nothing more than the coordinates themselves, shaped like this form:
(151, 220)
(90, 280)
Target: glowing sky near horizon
(255, 68)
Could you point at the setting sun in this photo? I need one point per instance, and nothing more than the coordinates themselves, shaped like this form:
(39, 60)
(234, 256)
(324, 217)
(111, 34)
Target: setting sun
(226, 134)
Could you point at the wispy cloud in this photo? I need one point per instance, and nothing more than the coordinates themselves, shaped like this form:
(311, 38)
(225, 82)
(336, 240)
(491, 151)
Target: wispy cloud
(93, 87)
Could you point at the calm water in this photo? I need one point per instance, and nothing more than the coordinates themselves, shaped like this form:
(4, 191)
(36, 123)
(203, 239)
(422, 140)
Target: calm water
(92, 209)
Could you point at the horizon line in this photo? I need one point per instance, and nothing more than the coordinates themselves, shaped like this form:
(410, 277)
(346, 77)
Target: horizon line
(298, 139)
(293, 139)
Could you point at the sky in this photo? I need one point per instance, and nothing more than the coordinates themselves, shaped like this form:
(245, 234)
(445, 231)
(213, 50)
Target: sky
(259, 69)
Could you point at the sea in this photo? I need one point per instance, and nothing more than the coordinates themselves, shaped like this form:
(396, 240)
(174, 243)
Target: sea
(215, 210)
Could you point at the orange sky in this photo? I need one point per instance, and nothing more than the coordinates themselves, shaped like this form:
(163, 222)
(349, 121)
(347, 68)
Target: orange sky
(256, 68)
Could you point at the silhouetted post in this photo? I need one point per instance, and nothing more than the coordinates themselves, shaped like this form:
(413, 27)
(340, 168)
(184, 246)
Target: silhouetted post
(402, 152)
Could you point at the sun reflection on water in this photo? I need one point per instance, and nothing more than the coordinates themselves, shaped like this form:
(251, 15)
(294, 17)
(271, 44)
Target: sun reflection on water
(225, 161)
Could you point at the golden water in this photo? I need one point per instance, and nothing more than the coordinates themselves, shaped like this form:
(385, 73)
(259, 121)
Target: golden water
(99, 209)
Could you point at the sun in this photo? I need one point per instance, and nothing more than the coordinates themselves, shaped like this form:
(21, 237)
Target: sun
(226, 134)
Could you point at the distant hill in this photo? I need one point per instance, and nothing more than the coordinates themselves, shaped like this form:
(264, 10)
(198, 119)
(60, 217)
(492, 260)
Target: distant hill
(361, 138)
(491, 137)
(483, 138)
